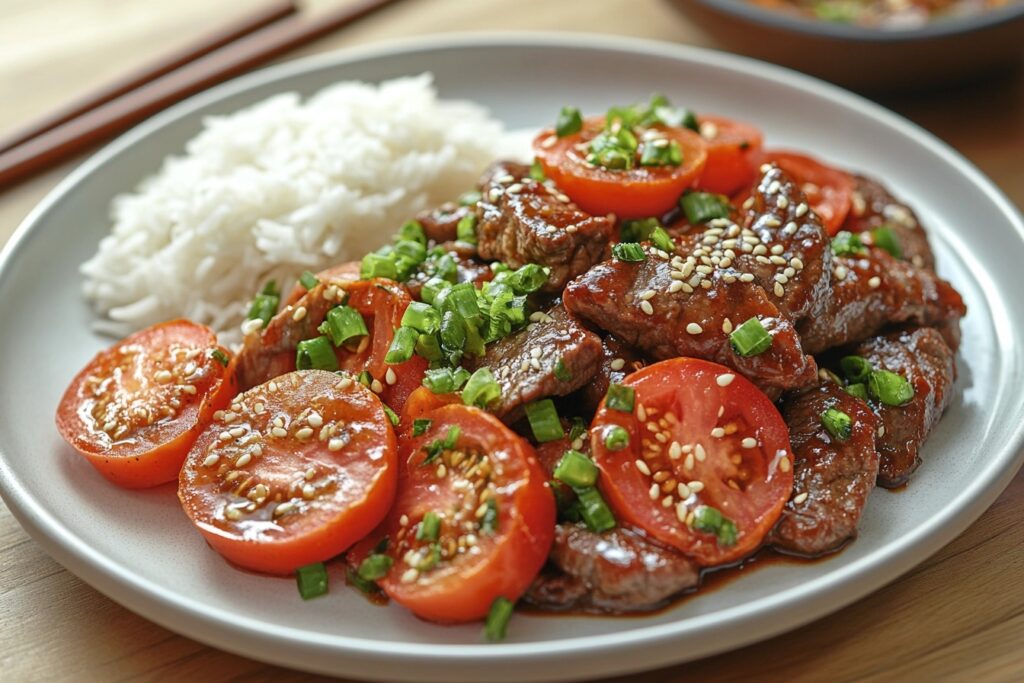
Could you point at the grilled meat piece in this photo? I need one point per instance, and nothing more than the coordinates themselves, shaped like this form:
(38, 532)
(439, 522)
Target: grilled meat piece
(617, 360)
(440, 224)
(523, 221)
(873, 291)
(619, 570)
(873, 207)
(922, 357)
(524, 363)
(831, 477)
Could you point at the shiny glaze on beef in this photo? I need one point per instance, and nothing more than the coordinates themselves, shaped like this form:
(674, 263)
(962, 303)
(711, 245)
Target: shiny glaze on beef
(618, 359)
(873, 207)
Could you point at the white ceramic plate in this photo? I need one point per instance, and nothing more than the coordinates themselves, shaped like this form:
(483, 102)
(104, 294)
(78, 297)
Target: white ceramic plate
(139, 549)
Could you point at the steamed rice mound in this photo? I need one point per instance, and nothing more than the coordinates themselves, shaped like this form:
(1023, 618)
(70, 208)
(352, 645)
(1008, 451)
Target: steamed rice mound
(281, 187)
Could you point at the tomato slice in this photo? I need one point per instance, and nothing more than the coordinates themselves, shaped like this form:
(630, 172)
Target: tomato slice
(829, 190)
(700, 437)
(295, 471)
(483, 550)
(420, 403)
(732, 147)
(136, 408)
(636, 193)
(347, 271)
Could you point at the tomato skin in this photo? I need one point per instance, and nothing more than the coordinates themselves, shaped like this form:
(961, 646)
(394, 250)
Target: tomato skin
(829, 190)
(637, 193)
(732, 155)
(150, 453)
(688, 388)
(353, 486)
(462, 587)
(420, 403)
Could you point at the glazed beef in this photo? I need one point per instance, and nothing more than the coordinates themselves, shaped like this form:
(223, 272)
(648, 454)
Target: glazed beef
(874, 206)
(831, 478)
(619, 570)
(440, 224)
(523, 221)
(873, 291)
(922, 356)
(524, 363)
(618, 359)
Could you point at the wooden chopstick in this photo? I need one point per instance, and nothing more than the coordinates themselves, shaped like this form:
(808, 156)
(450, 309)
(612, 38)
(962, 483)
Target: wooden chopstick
(120, 113)
(268, 14)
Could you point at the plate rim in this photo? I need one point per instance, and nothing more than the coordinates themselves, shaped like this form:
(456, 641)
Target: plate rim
(852, 581)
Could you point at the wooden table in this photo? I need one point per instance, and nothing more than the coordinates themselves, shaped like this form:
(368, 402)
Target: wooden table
(958, 616)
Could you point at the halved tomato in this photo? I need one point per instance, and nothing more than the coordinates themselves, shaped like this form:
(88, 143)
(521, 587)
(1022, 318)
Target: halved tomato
(707, 467)
(474, 518)
(294, 471)
(421, 402)
(732, 149)
(136, 409)
(829, 190)
(639, 192)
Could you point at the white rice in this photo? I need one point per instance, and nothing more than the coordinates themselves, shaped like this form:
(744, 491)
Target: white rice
(281, 187)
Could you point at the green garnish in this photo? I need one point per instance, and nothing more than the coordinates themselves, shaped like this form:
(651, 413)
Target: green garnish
(576, 469)
(847, 244)
(402, 346)
(316, 354)
(661, 152)
(438, 446)
(413, 231)
(469, 198)
(537, 171)
(616, 438)
(662, 240)
(562, 373)
(620, 397)
(750, 338)
(264, 304)
(422, 317)
(465, 229)
(430, 527)
(629, 252)
(489, 522)
(701, 207)
(594, 510)
(481, 389)
(859, 390)
(543, 418)
(837, 423)
(884, 238)
(311, 580)
(343, 323)
(855, 368)
(392, 415)
(220, 357)
(569, 122)
(890, 388)
(375, 566)
(420, 426)
(445, 380)
(711, 521)
(308, 280)
(496, 623)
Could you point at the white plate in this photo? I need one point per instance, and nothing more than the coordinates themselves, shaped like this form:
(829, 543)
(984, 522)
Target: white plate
(139, 549)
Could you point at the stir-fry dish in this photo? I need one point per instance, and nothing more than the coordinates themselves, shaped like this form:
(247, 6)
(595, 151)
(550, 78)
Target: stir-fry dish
(892, 14)
(584, 385)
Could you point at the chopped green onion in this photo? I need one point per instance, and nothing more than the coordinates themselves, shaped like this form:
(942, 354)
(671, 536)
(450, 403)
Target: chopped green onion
(365, 378)
(367, 587)
(537, 171)
(430, 527)
(429, 347)
(263, 307)
(375, 567)
(465, 229)
(496, 623)
(445, 380)
(489, 522)
(469, 198)
(543, 418)
(845, 243)
(614, 151)
(701, 207)
(890, 388)
(413, 232)
(461, 299)
(308, 280)
(884, 238)
(420, 426)
(311, 580)
(392, 415)
(594, 510)
(576, 469)
(750, 338)
(481, 389)
(402, 346)
(860, 390)
(432, 288)
(662, 240)
(528, 279)
(638, 230)
(343, 323)
(422, 317)
(376, 265)
(837, 423)
(438, 446)
(270, 289)
(220, 357)
(316, 354)
(431, 560)
(474, 342)
(710, 520)
(628, 251)
(855, 368)
(657, 153)
(562, 373)
(569, 121)
(578, 428)
(567, 504)
(453, 332)
(616, 438)
(620, 397)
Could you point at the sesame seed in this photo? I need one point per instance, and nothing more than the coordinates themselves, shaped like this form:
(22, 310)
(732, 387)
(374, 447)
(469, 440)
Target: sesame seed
(243, 460)
(642, 466)
(304, 433)
(618, 364)
(315, 420)
(718, 432)
(515, 188)
(646, 307)
(781, 278)
(779, 290)
(535, 352)
(695, 486)
(800, 497)
(211, 460)
(782, 202)
(801, 209)
(688, 463)
(308, 491)
(749, 442)
(441, 471)
(681, 511)
(748, 202)
(875, 282)
(667, 502)
(654, 492)
(562, 198)
(251, 326)
(163, 376)
(232, 513)
(694, 328)
(237, 432)
(376, 387)
(881, 430)
(299, 313)
(777, 249)
(404, 520)
(390, 377)
(335, 444)
(646, 296)
(675, 450)
(641, 412)
(279, 432)
(725, 379)
(840, 272)
(330, 292)
(784, 465)
(698, 451)
(535, 363)
(571, 228)
(272, 386)
(410, 575)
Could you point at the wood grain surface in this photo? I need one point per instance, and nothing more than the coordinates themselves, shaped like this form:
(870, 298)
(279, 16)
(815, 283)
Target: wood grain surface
(959, 616)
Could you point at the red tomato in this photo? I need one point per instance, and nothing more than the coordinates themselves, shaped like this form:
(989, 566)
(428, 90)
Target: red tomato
(136, 409)
(348, 271)
(294, 471)
(829, 191)
(421, 402)
(481, 552)
(720, 447)
(636, 193)
(732, 147)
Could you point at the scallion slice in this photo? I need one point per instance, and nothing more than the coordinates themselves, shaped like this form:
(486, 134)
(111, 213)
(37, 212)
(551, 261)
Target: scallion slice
(421, 316)
(537, 171)
(576, 469)
(562, 373)
(569, 121)
(528, 279)
(377, 265)
(402, 346)
(429, 347)
(311, 580)
(308, 280)
(445, 380)
(620, 397)
(392, 415)
(481, 389)
(855, 368)
(658, 153)
(594, 510)
(220, 357)
(432, 288)
(544, 422)
(711, 521)
(430, 527)
(453, 332)
(413, 231)
(616, 438)
(628, 251)
(847, 244)
(750, 338)
(496, 623)
(420, 426)
(837, 423)
(489, 522)
(662, 240)
(343, 323)
(859, 390)
(890, 388)
(701, 207)
(263, 307)
(465, 229)
(316, 354)
(376, 566)
(884, 238)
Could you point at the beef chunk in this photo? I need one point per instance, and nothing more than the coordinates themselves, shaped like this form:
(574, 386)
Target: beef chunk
(875, 290)
(523, 221)
(922, 357)
(524, 363)
(440, 224)
(873, 207)
(831, 477)
(618, 359)
(618, 570)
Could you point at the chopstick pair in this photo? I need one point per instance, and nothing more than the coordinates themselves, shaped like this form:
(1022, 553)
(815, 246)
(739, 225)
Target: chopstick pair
(219, 56)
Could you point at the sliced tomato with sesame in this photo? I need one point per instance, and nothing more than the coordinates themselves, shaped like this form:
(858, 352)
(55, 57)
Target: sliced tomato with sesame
(829, 190)
(473, 520)
(136, 409)
(293, 471)
(638, 192)
(707, 468)
(422, 401)
(732, 154)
